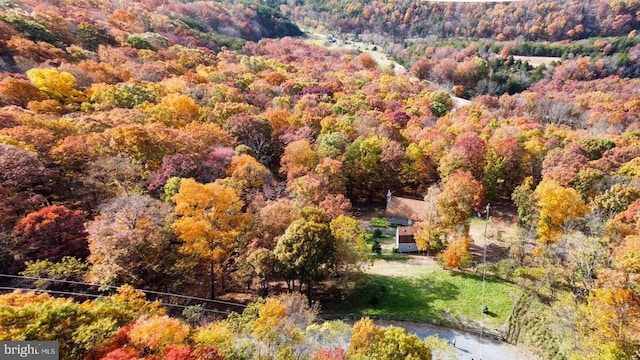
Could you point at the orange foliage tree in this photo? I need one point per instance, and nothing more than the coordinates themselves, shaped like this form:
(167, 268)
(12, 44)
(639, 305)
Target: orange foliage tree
(210, 218)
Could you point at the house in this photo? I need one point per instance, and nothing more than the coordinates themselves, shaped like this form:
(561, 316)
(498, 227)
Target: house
(405, 212)
(399, 69)
(405, 241)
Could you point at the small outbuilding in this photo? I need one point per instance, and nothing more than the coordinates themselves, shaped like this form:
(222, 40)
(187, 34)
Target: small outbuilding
(405, 241)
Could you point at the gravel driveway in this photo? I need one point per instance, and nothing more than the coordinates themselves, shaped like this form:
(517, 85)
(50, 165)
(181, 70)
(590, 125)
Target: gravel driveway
(467, 346)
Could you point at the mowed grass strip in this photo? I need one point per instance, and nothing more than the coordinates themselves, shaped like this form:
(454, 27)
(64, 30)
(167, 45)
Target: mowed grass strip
(430, 293)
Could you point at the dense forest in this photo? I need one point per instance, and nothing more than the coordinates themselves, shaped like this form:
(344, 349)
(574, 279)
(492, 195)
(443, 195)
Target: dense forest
(206, 148)
(535, 20)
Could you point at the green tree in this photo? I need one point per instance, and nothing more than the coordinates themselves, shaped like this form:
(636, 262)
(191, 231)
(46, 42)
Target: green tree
(67, 269)
(306, 251)
(617, 198)
(417, 169)
(351, 248)
(440, 102)
(595, 147)
(522, 197)
(368, 176)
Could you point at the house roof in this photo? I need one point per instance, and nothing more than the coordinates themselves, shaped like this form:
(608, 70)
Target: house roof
(406, 233)
(404, 208)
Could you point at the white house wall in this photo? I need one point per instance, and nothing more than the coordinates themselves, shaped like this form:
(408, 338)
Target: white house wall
(407, 247)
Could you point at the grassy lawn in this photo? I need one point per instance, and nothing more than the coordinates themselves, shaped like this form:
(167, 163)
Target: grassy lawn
(410, 286)
(388, 243)
(379, 222)
(432, 293)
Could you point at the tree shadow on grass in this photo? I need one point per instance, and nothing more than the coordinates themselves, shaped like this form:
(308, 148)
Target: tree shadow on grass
(478, 277)
(491, 314)
(390, 257)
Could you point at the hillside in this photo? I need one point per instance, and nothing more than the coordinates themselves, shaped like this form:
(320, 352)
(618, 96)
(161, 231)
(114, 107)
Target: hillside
(535, 20)
(174, 147)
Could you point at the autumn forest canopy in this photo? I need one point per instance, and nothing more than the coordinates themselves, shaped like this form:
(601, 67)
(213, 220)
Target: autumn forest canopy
(209, 148)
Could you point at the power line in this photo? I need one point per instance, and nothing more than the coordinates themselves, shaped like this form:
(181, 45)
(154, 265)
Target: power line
(95, 296)
(117, 287)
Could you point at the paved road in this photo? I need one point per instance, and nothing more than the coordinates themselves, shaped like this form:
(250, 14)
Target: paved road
(467, 346)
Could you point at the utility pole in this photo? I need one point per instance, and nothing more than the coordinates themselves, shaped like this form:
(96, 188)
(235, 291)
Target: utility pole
(484, 269)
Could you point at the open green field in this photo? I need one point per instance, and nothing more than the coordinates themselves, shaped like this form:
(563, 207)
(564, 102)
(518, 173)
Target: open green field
(430, 293)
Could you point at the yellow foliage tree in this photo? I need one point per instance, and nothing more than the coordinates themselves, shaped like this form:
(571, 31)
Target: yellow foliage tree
(370, 342)
(556, 205)
(157, 332)
(270, 325)
(610, 323)
(351, 248)
(60, 86)
(216, 334)
(281, 325)
(365, 335)
(175, 110)
(210, 218)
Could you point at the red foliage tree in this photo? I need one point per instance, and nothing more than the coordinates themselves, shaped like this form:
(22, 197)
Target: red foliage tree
(215, 164)
(23, 180)
(563, 167)
(334, 353)
(178, 352)
(122, 354)
(335, 205)
(52, 233)
(172, 165)
(19, 92)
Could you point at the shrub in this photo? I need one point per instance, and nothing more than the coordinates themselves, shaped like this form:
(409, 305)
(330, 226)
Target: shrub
(379, 222)
(504, 269)
(376, 247)
(29, 28)
(148, 41)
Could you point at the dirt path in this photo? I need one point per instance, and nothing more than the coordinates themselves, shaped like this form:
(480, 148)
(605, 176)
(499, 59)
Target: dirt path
(381, 58)
(537, 60)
